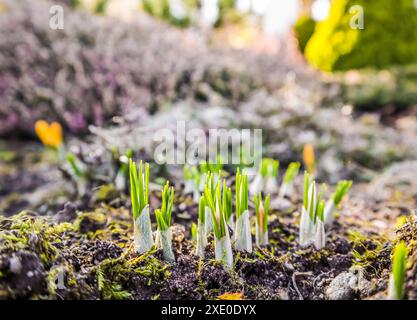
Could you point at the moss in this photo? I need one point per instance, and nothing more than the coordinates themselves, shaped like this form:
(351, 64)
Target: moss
(89, 222)
(25, 232)
(388, 36)
(106, 192)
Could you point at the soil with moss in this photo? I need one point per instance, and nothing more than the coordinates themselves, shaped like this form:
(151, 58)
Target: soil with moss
(88, 254)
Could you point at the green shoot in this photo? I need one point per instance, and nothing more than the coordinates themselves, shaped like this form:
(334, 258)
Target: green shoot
(241, 193)
(320, 237)
(269, 168)
(194, 231)
(399, 261)
(227, 201)
(312, 204)
(204, 168)
(306, 189)
(320, 209)
(139, 187)
(262, 211)
(292, 172)
(342, 189)
(164, 214)
(188, 175)
(73, 164)
(214, 202)
(217, 166)
(124, 161)
(201, 210)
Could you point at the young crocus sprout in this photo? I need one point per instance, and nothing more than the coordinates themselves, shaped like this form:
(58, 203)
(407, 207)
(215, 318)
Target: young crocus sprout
(266, 178)
(262, 210)
(289, 177)
(72, 161)
(320, 241)
(223, 246)
(399, 264)
(308, 211)
(208, 221)
(121, 177)
(342, 189)
(201, 232)
(309, 159)
(163, 219)
(78, 173)
(192, 182)
(49, 134)
(139, 195)
(243, 237)
(227, 205)
(188, 179)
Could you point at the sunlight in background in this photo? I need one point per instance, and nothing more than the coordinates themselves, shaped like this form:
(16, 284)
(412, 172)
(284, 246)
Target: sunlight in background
(210, 11)
(320, 9)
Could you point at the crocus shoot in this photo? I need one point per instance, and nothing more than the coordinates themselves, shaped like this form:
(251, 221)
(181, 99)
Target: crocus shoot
(139, 195)
(201, 232)
(222, 243)
(307, 224)
(243, 237)
(320, 241)
(289, 177)
(342, 189)
(227, 205)
(120, 180)
(399, 264)
(163, 219)
(266, 178)
(192, 178)
(78, 173)
(262, 210)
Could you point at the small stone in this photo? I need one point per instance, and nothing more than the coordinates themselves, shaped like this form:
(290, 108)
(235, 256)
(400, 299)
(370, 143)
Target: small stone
(343, 287)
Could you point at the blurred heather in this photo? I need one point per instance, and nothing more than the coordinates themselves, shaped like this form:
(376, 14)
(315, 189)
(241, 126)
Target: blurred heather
(99, 67)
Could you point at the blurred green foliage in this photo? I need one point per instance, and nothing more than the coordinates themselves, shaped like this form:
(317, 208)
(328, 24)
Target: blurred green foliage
(304, 29)
(161, 9)
(389, 36)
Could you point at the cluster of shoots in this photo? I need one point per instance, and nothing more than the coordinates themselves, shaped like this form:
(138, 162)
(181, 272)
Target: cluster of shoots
(399, 266)
(266, 178)
(139, 195)
(243, 238)
(163, 219)
(314, 210)
(312, 215)
(218, 200)
(222, 241)
(261, 210)
(195, 178)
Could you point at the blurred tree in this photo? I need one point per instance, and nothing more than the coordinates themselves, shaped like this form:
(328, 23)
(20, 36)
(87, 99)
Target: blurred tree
(389, 35)
(305, 24)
